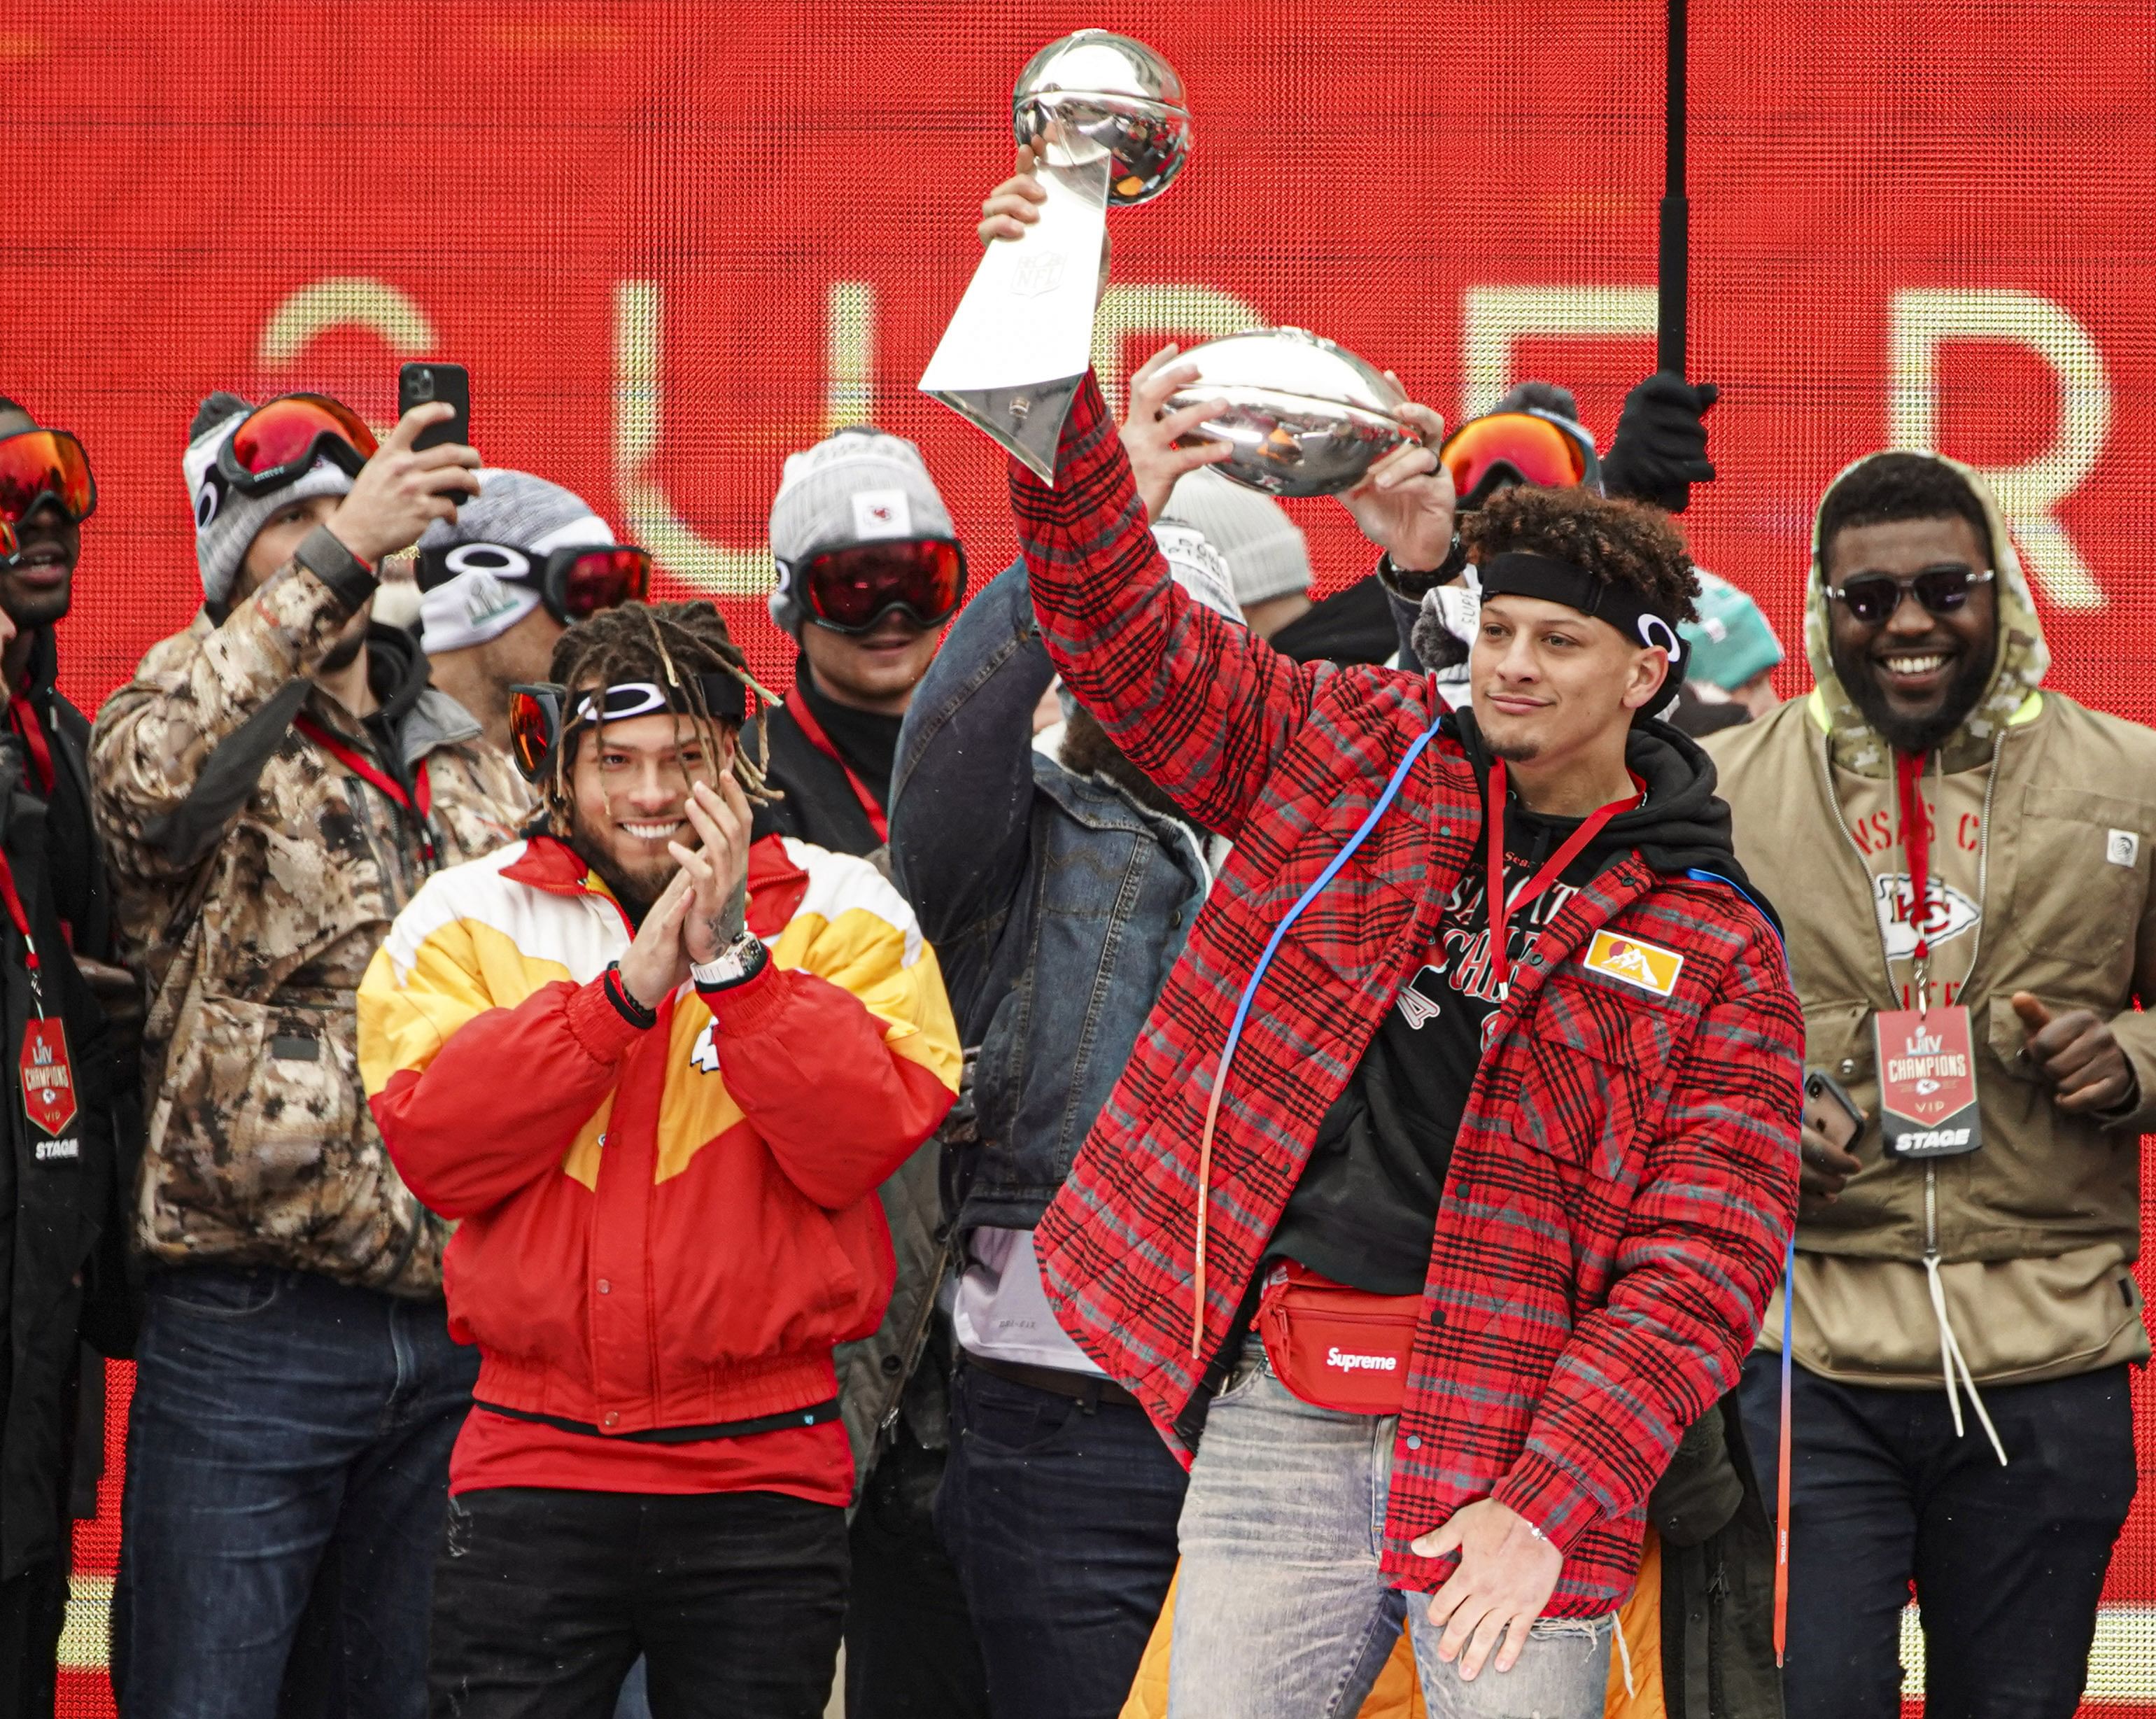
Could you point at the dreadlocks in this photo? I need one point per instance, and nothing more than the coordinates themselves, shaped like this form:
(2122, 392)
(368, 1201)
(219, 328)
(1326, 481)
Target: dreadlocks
(670, 645)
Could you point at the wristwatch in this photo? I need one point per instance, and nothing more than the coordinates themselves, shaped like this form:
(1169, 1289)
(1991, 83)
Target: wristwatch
(736, 963)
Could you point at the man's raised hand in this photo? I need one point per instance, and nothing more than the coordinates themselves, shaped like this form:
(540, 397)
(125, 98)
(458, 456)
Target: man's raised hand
(717, 869)
(399, 493)
(657, 963)
(1151, 434)
(1405, 503)
(1014, 205)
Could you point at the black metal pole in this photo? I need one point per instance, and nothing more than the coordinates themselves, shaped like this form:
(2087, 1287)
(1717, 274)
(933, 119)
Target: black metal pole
(1674, 270)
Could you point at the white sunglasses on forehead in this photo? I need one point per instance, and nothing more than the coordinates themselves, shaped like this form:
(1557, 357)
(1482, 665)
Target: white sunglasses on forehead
(724, 696)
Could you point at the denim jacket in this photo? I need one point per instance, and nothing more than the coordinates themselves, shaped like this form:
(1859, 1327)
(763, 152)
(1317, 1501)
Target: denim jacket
(1056, 904)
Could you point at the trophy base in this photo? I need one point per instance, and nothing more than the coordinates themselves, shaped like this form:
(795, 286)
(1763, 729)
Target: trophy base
(1026, 421)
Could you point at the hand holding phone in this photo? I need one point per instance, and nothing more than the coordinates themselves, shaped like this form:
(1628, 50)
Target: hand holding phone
(425, 385)
(1832, 1122)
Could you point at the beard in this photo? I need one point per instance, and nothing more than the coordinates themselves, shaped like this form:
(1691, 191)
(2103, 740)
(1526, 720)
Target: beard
(635, 888)
(1916, 735)
(345, 651)
(1522, 749)
(1087, 751)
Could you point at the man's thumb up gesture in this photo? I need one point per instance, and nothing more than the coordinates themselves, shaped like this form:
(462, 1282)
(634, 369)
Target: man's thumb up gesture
(2075, 1052)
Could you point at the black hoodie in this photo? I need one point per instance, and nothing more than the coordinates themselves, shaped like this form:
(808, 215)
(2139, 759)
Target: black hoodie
(1365, 1207)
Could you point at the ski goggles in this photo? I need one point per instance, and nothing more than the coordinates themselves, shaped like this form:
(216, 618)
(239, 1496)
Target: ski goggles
(37, 465)
(850, 590)
(1873, 597)
(540, 713)
(1485, 454)
(279, 443)
(574, 582)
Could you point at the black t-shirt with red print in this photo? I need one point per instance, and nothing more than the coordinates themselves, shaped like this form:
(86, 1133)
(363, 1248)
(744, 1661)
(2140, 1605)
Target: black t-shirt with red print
(1365, 1209)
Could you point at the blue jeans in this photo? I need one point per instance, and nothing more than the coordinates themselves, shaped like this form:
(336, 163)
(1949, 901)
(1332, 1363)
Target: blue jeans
(1283, 1613)
(285, 1430)
(1061, 1520)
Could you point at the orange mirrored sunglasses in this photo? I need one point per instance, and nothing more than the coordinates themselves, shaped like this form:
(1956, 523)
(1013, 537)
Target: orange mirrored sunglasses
(41, 465)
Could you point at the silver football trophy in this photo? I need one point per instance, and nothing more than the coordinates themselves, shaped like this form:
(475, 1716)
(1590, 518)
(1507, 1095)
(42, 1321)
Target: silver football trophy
(1305, 417)
(1106, 118)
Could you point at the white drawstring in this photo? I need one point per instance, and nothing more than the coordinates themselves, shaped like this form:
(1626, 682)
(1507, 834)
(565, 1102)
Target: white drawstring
(1950, 1355)
(1624, 1651)
(1950, 1358)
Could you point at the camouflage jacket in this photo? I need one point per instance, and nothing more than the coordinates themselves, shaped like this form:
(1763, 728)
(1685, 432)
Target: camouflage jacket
(254, 873)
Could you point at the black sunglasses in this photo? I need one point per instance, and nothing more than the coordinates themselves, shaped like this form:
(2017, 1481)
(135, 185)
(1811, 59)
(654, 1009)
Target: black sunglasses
(1873, 597)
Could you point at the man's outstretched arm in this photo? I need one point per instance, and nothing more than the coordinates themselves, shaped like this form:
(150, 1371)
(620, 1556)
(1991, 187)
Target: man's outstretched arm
(1201, 705)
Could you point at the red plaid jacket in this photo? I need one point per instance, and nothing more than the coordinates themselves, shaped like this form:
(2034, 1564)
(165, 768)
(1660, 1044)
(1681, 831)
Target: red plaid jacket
(1625, 1178)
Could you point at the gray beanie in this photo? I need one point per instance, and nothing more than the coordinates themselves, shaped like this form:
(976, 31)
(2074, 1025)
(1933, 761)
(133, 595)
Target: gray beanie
(226, 521)
(1263, 549)
(516, 511)
(859, 486)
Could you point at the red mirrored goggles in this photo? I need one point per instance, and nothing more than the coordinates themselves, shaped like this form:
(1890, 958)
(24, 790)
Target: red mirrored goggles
(279, 443)
(37, 465)
(850, 590)
(1485, 454)
(573, 582)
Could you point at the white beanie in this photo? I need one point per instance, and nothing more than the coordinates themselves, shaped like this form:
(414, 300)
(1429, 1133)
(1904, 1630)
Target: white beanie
(1263, 549)
(859, 485)
(517, 511)
(227, 521)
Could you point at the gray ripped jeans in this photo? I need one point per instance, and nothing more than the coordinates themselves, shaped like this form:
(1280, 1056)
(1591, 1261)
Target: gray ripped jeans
(1282, 1613)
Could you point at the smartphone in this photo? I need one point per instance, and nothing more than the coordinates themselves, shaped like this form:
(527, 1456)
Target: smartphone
(423, 385)
(1831, 1110)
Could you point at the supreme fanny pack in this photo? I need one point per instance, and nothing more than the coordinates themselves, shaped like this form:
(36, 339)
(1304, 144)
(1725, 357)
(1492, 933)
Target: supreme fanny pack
(1336, 1347)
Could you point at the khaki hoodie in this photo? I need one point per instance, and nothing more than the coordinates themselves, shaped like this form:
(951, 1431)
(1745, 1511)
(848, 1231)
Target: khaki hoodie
(2033, 1233)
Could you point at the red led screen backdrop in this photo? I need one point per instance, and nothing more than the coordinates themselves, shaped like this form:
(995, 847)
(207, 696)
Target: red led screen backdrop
(674, 242)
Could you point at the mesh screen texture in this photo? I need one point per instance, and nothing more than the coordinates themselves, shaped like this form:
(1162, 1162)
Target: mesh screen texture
(675, 242)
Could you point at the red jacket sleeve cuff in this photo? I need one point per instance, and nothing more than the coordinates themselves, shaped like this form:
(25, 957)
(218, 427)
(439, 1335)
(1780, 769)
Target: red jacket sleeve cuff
(601, 1029)
(1079, 449)
(1549, 1498)
(750, 1007)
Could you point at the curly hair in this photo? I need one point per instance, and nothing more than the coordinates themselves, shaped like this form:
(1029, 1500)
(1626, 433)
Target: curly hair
(1633, 546)
(670, 645)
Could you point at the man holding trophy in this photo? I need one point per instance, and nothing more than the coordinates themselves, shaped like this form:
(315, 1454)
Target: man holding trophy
(1450, 1176)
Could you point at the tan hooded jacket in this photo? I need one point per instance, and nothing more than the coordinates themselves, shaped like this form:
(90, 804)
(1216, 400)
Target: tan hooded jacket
(254, 876)
(2036, 1229)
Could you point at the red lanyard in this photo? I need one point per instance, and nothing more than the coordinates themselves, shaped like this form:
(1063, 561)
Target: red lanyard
(821, 741)
(1501, 906)
(25, 719)
(368, 771)
(1917, 846)
(21, 921)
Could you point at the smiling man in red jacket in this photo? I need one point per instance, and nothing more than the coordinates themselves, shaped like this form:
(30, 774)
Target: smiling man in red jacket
(1506, 1208)
(656, 1071)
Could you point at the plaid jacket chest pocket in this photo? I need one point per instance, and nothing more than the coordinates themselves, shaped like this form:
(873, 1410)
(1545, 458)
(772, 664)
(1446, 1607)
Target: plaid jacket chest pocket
(1589, 1067)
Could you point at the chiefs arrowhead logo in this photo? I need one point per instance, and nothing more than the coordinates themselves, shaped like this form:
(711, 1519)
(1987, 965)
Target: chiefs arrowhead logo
(704, 1055)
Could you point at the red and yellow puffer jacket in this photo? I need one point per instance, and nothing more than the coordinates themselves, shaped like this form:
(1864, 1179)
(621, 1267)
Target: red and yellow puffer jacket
(669, 1228)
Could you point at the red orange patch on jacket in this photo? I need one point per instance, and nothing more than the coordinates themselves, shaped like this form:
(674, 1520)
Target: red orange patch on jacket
(1629, 962)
